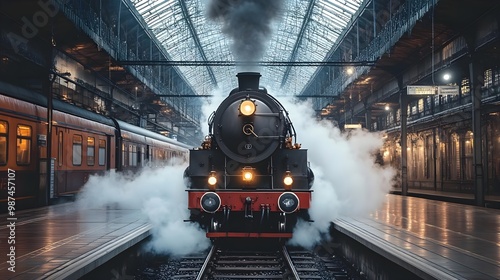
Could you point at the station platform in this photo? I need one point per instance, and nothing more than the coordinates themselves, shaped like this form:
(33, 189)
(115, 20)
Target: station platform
(490, 200)
(432, 239)
(65, 242)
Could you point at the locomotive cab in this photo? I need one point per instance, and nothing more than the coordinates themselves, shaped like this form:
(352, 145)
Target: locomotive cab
(248, 179)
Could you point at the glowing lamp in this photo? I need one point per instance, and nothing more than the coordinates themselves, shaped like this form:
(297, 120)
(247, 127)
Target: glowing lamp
(247, 174)
(212, 180)
(247, 108)
(288, 180)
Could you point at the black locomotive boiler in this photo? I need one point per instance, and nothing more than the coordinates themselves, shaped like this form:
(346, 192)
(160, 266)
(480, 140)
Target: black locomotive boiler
(249, 178)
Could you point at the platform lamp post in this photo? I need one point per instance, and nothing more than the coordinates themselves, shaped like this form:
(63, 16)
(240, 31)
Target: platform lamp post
(50, 178)
(476, 83)
(45, 167)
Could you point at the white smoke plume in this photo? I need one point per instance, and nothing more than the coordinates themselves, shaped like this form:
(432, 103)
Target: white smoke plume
(347, 182)
(161, 195)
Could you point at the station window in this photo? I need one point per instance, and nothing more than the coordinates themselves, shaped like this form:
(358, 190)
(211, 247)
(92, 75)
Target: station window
(77, 149)
(90, 150)
(60, 148)
(488, 78)
(23, 144)
(4, 128)
(465, 87)
(102, 152)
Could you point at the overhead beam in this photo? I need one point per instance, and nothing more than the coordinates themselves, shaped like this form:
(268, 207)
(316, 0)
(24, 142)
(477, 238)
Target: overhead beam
(185, 95)
(336, 97)
(293, 55)
(196, 39)
(246, 63)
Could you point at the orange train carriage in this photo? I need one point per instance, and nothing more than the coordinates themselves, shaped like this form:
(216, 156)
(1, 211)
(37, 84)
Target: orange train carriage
(83, 143)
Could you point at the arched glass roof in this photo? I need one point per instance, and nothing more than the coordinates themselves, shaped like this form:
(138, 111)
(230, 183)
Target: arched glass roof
(303, 31)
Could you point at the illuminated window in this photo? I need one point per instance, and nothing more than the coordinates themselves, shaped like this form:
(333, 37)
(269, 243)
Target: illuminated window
(60, 148)
(3, 142)
(124, 155)
(77, 149)
(420, 105)
(102, 152)
(488, 78)
(465, 87)
(23, 145)
(90, 150)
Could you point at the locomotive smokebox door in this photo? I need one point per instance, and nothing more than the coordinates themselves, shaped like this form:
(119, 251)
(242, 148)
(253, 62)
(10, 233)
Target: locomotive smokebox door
(248, 125)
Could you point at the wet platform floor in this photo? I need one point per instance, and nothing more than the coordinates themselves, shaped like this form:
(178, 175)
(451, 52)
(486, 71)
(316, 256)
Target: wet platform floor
(66, 242)
(433, 239)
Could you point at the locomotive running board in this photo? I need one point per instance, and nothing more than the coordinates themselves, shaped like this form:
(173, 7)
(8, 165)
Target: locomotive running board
(249, 234)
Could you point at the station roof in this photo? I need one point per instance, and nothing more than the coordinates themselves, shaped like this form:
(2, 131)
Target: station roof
(207, 31)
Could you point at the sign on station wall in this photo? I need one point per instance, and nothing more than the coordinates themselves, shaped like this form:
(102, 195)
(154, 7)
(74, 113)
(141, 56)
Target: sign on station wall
(432, 90)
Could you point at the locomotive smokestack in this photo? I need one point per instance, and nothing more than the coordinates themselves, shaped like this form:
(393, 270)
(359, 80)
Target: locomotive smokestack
(248, 80)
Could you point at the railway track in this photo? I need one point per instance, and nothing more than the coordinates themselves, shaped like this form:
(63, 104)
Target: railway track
(272, 263)
(236, 264)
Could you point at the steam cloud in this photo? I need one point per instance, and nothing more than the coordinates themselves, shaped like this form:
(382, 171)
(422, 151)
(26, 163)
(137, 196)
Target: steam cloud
(247, 23)
(347, 182)
(160, 194)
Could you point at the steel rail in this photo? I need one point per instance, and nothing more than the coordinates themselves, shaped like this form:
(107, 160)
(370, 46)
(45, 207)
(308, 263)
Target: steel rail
(290, 263)
(205, 263)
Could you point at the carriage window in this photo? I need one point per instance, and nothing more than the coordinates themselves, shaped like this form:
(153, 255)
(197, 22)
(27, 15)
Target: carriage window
(124, 155)
(60, 149)
(130, 163)
(143, 156)
(23, 144)
(77, 149)
(90, 150)
(102, 152)
(134, 155)
(3, 142)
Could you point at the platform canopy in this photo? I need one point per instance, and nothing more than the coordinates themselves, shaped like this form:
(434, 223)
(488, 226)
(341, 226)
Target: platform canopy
(201, 30)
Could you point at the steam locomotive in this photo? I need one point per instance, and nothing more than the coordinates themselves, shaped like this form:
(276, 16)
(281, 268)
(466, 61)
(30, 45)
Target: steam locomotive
(249, 178)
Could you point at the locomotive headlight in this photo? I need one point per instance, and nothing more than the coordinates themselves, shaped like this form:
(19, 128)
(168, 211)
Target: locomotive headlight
(288, 180)
(288, 202)
(247, 174)
(247, 108)
(212, 180)
(210, 202)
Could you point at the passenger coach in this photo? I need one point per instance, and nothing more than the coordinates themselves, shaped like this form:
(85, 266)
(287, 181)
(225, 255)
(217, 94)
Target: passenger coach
(83, 143)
